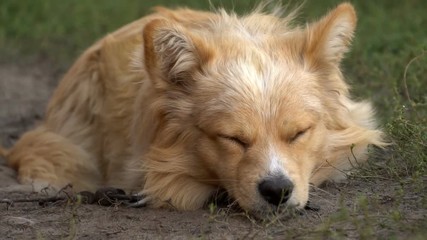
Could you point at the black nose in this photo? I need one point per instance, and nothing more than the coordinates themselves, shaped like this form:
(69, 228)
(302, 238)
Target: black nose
(276, 189)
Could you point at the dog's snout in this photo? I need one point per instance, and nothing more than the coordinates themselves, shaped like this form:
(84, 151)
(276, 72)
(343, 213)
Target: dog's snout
(276, 190)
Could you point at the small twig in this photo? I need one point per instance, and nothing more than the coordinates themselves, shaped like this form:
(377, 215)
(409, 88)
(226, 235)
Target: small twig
(339, 170)
(354, 156)
(377, 177)
(405, 85)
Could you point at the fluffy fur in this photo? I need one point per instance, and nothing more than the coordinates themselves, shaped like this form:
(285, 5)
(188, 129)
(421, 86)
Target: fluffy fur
(181, 102)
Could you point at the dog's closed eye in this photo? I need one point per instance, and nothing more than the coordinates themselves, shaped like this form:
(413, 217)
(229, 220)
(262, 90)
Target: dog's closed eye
(298, 135)
(236, 140)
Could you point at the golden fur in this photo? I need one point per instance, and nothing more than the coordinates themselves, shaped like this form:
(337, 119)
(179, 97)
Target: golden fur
(181, 102)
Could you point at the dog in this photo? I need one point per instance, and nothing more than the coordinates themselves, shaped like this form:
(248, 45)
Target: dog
(181, 103)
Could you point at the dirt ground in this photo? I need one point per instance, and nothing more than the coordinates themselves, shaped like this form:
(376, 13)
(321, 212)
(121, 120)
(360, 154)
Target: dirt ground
(24, 91)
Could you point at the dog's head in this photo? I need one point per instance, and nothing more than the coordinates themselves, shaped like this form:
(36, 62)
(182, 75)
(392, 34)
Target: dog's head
(254, 93)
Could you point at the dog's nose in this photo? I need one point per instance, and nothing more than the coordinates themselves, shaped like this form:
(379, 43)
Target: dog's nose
(276, 189)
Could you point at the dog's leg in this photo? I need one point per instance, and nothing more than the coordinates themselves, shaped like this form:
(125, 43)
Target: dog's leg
(46, 159)
(175, 191)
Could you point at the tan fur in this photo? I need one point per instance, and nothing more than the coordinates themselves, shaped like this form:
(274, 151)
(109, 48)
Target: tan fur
(182, 102)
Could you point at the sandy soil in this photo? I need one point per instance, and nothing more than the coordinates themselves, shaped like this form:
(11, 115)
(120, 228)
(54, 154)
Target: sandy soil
(24, 90)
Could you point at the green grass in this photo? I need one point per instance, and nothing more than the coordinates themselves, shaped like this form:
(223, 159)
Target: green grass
(388, 64)
(61, 30)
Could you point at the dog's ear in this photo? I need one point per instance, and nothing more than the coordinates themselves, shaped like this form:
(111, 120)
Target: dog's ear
(329, 38)
(172, 53)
